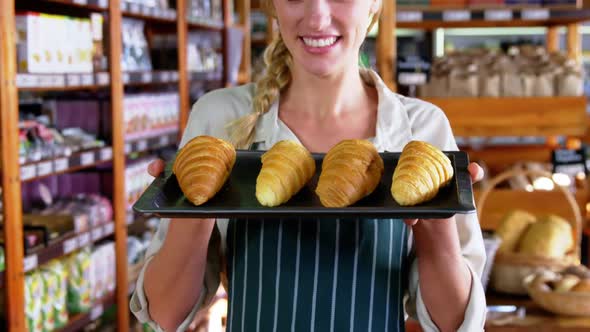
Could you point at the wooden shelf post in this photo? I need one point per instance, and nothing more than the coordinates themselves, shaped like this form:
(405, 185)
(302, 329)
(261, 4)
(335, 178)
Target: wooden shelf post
(119, 200)
(552, 38)
(574, 42)
(386, 44)
(183, 79)
(11, 187)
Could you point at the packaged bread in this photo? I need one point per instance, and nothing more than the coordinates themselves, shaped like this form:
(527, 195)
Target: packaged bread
(551, 237)
(511, 229)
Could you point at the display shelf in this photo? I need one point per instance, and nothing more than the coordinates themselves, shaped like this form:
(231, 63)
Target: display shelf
(150, 77)
(67, 245)
(453, 17)
(62, 82)
(78, 322)
(147, 13)
(538, 116)
(200, 23)
(205, 76)
(496, 158)
(154, 141)
(95, 5)
(77, 161)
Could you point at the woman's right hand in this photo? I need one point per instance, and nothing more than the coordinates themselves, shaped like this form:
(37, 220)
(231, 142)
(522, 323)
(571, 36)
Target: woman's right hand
(156, 167)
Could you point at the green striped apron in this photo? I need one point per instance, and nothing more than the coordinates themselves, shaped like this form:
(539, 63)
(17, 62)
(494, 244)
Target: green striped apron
(316, 275)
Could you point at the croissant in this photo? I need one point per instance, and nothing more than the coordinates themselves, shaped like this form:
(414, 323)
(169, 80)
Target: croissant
(286, 168)
(421, 170)
(202, 166)
(351, 170)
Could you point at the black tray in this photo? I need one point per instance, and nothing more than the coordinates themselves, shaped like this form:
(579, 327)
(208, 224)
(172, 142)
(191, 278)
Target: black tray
(237, 197)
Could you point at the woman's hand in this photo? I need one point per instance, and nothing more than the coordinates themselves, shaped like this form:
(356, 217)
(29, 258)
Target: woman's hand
(476, 173)
(156, 167)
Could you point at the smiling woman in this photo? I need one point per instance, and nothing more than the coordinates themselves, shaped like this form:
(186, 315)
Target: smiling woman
(317, 274)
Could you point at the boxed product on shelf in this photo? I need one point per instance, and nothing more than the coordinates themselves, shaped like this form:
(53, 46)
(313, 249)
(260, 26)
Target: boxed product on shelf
(160, 4)
(57, 297)
(208, 10)
(79, 274)
(102, 270)
(149, 115)
(202, 54)
(53, 44)
(135, 53)
(33, 302)
(137, 179)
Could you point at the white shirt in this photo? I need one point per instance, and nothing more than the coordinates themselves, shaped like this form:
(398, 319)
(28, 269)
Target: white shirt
(399, 120)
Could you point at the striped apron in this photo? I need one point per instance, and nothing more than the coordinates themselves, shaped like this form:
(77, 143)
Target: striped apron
(316, 275)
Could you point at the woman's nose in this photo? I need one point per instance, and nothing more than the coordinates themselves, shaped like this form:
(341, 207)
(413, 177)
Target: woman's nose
(318, 14)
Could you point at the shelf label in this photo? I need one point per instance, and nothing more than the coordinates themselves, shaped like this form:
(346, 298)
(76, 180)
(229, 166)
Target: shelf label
(87, 158)
(25, 80)
(134, 8)
(127, 148)
(103, 3)
(409, 16)
(74, 80)
(97, 234)
(44, 168)
(109, 229)
(102, 78)
(106, 153)
(126, 78)
(96, 312)
(87, 79)
(146, 77)
(164, 140)
(61, 164)
(84, 239)
(27, 172)
(130, 218)
(31, 262)
(81, 2)
(142, 145)
(174, 76)
(166, 76)
(456, 15)
(44, 81)
(145, 10)
(70, 245)
(534, 14)
(498, 15)
(412, 78)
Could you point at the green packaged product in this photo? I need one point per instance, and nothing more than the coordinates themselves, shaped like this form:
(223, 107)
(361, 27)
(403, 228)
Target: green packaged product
(50, 288)
(33, 295)
(2, 259)
(58, 300)
(78, 298)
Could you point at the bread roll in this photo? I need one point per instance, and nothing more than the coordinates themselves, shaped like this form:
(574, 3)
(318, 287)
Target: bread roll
(351, 170)
(202, 166)
(512, 228)
(549, 237)
(421, 171)
(286, 168)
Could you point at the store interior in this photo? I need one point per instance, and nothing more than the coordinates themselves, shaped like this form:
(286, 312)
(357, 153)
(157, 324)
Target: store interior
(92, 91)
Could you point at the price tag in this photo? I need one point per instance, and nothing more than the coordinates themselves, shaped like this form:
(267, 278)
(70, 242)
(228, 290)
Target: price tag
(45, 81)
(26, 80)
(83, 239)
(30, 262)
(412, 78)
(142, 145)
(146, 77)
(96, 312)
(81, 2)
(103, 3)
(102, 78)
(498, 15)
(61, 164)
(127, 148)
(164, 140)
(174, 76)
(70, 245)
(171, 13)
(409, 16)
(87, 79)
(97, 234)
(27, 172)
(456, 15)
(134, 8)
(109, 229)
(44, 168)
(126, 78)
(106, 153)
(534, 14)
(87, 158)
(74, 80)
(130, 218)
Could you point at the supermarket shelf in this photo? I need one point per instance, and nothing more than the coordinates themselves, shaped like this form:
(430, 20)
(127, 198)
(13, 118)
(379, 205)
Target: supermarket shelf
(453, 17)
(78, 322)
(67, 245)
(205, 76)
(535, 116)
(148, 13)
(150, 77)
(97, 5)
(62, 82)
(198, 23)
(154, 141)
(75, 162)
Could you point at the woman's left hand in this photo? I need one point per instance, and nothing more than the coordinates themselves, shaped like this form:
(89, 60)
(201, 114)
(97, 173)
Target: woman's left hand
(476, 173)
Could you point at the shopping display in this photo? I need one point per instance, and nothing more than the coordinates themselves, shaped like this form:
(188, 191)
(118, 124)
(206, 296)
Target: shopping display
(135, 54)
(150, 115)
(525, 71)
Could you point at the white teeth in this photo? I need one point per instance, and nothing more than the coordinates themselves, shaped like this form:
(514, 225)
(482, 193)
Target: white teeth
(319, 42)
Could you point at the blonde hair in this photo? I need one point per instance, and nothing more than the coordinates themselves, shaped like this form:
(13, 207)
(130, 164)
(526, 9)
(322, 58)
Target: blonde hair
(276, 78)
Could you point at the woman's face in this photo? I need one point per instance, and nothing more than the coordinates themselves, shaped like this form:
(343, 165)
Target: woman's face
(324, 36)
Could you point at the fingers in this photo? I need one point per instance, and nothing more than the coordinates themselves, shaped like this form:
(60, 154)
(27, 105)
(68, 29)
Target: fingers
(476, 172)
(156, 167)
(410, 222)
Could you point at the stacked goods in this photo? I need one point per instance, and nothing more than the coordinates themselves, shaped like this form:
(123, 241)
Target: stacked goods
(525, 71)
(147, 115)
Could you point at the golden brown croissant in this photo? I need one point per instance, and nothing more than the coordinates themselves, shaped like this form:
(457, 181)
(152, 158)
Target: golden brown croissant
(202, 166)
(351, 170)
(421, 170)
(286, 168)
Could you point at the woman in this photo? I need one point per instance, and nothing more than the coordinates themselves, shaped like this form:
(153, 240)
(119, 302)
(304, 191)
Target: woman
(317, 275)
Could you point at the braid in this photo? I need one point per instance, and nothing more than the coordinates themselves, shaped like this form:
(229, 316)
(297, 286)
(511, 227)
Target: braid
(277, 76)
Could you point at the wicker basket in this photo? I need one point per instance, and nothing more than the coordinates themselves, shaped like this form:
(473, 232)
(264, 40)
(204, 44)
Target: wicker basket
(510, 269)
(561, 303)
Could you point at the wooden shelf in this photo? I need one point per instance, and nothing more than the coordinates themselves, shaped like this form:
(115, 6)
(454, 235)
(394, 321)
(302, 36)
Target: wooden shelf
(205, 76)
(93, 5)
(62, 82)
(78, 322)
(195, 23)
(143, 144)
(497, 158)
(453, 17)
(77, 161)
(148, 13)
(537, 116)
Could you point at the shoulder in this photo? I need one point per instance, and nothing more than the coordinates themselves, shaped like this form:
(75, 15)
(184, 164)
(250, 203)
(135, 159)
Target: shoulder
(214, 110)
